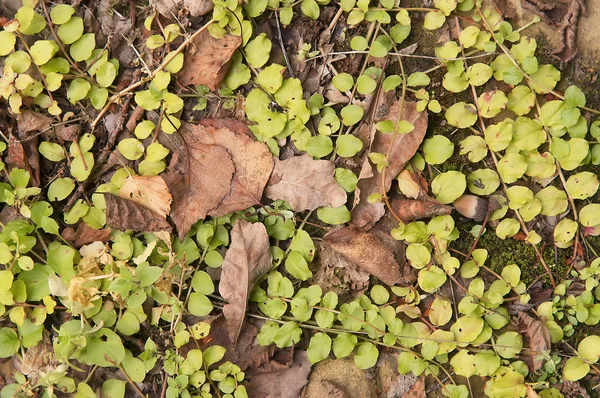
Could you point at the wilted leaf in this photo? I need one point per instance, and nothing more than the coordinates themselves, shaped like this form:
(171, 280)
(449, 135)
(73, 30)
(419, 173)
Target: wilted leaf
(85, 235)
(148, 191)
(218, 171)
(367, 251)
(305, 183)
(365, 214)
(246, 261)
(207, 60)
(33, 121)
(284, 383)
(126, 214)
(537, 340)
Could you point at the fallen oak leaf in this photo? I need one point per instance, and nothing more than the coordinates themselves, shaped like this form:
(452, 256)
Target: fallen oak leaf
(403, 148)
(246, 261)
(149, 191)
(207, 60)
(537, 339)
(285, 383)
(84, 235)
(199, 179)
(305, 183)
(367, 251)
(217, 171)
(252, 161)
(126, 214)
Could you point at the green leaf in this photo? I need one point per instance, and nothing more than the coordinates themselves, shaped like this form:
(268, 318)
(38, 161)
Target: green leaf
(352, 114)
(61, 13)
(82, 171)
(131, 148)
(418, 79)
(199, 304)
(491, 103)
(461, 115)
(437, 149)
(574, 96)
(365, 84)
(302, 243)
(319, 146)
(98, 97)
(509, 344)
(346, 178)
(474, 147)
(7, 42)
(520, 100)
(42, 50)
(82, 49)
(334, 215)
(297, 266)
(545, 79)
(9, 342)
(258, 50)
(271, 78)
(319, 347)
(434, 20)
(483, 181)
(512, 167)
(30, 22)
(104, 349)
(379, 294)
(213, 354)
(114, 388)
(507, 228)
(575, 369)
(589, 348)
(478, 74)
(366, 355)
(348, 145)
(106, 74)
(78, 90)
(71, 31)
(400, 32)
(449, 186)
(310, 8)
(468, 36)
(582, 185)
(52, 151)
(554, 201)
(466, 329)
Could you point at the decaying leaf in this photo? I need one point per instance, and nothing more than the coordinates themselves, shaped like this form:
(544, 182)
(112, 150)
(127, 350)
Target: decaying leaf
(207, 60)
(417, 390)
(390, 383)
(340, 373)
(367, 251)
(199, 183)
(149, 191)
(410, 210)
(537, 339)
(403, 147)
(246, 353)
(252, 162)
(38, 360)
(84, 235)
(126, 214)
(29, 121)
(284, 383)
(216, 171)
(246, 261)
(305, 183)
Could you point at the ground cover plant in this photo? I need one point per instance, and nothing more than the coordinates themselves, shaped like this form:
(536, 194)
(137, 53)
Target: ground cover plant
(214, 198)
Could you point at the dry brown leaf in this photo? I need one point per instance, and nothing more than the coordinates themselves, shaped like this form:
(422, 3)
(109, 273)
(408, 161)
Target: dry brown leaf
(417, 390)
(126, 214)
(207, 60)
(246, 261)
(252, 161)
(410, 210)
(285, 383)
(16, 154)
(149, 191)
(365, 214)
(531, 392)
(367, 251)
(199, 179)
(217, 171)
(305, 183)
(85, 235)
(29, 121)
(537, 340)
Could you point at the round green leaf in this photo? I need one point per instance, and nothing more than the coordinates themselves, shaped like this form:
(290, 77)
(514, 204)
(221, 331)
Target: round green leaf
(348, 145)
(61, 13)
(131, 148)
(449, 186)
(437, 149)
(319, 347)
(461, 115)
(71, 31)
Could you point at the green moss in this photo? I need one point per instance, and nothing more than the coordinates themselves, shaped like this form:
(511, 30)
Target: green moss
(511, 251)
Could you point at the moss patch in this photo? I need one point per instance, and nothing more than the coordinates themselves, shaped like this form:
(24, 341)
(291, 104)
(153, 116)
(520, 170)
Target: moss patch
(511, 251)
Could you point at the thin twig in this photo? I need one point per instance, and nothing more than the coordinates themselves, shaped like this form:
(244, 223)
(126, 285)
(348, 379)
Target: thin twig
(280, 39)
